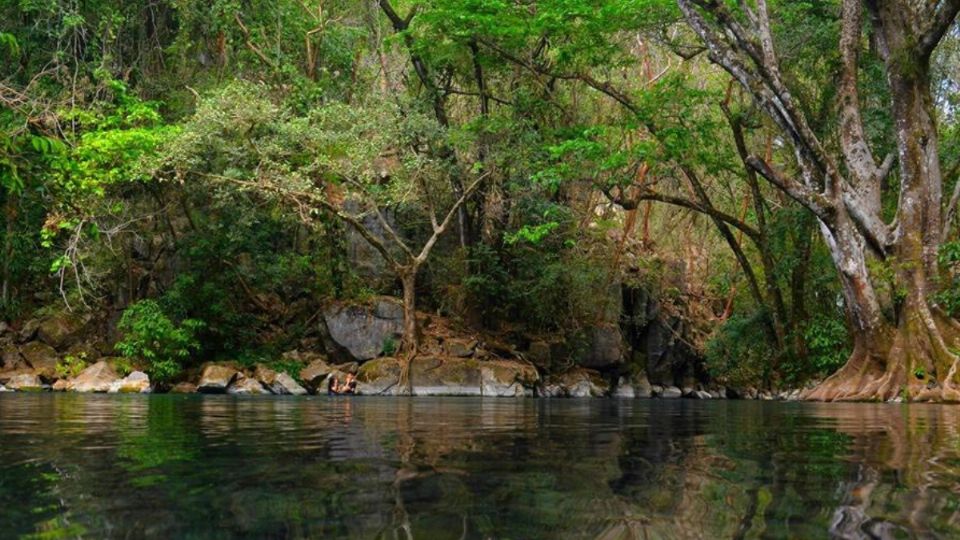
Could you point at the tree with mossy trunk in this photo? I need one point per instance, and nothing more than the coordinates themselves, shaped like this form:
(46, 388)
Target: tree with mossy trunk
(903, 344)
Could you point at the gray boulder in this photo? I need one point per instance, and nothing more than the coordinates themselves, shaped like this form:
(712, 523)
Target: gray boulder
(671, 392)
(137, 382)
(42, 358)
(25, 382)
(362, 331)
(278, 383)
(624, 389)
(314, 374)
(436, 376)
(378, 377)
(96, 378)
(215, 378)
(245, 385)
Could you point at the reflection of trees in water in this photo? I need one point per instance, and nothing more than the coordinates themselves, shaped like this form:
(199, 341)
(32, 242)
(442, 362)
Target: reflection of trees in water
(448, 468)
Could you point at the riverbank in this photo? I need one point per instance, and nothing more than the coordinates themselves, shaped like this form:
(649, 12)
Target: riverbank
(429, 376)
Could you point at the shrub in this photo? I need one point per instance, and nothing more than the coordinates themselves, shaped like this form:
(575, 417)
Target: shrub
(149, 334)
(70, 366)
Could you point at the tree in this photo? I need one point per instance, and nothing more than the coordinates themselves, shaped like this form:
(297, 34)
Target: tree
(902, 344)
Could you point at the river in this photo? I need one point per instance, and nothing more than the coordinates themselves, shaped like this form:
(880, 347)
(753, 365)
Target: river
(175, 466)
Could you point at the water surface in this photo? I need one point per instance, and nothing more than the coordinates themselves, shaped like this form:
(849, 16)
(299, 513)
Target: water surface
(172, 466)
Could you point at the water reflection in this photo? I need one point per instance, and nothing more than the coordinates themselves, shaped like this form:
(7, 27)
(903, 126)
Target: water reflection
(219, 467)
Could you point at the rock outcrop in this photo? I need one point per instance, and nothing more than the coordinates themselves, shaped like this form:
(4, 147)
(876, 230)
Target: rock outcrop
(42, 358)
(25, 382)
(61, 330)
(216, 378)
(365, 331)
(314, 375)
(96, 378)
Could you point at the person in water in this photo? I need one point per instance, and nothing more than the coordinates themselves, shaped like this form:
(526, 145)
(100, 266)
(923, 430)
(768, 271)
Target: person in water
(349, 386)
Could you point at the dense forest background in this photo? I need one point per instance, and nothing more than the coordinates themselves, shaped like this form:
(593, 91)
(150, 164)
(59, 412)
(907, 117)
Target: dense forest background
(204, 177)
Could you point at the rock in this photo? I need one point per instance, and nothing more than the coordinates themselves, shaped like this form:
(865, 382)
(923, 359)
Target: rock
(671, 392)
(606, 347)
(687, 391)
(576, 382)
(96, 378)
(641, 386)
(624, 389)
(60, 330)
(25, 382)
(715, 394)
(285, 385)
(539, 354)
(314, 375)
(245, 385)
(364, 332)
(183, 388)
(701, 394)
(507, 379)
(4, 327)
(62, 385)
(766, 396)
(137, 382)
(3, 388)
(42, 358)
(378, 376)
(656, 390)
(29, 330)
(461, 348)
(215, 379)
(441, 376)
(10, 357)
(348, 367)
(278, 383)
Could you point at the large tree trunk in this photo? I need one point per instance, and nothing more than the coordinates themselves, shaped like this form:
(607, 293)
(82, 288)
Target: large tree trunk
(408, 347)
(911, 356)
(10, 214)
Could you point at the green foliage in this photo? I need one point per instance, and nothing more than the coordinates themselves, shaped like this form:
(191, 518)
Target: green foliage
(70, 366)
(150, 335)
(828, 344)
(740, 351)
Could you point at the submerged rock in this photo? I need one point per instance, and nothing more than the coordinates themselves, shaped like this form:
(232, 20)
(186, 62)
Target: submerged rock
(183, 388)
(245, 385)
(137, 382)
(42, 358)
(25, 382)
(215, 379)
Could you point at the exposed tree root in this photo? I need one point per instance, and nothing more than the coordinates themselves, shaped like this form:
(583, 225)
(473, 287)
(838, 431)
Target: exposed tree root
(914, 361)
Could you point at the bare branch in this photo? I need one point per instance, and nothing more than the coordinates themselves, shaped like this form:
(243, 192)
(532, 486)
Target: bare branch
(944, 17)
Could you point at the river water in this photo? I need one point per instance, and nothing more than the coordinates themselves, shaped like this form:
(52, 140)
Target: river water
(169, 466)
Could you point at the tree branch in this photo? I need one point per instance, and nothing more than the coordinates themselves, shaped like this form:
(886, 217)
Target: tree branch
(938, 27)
